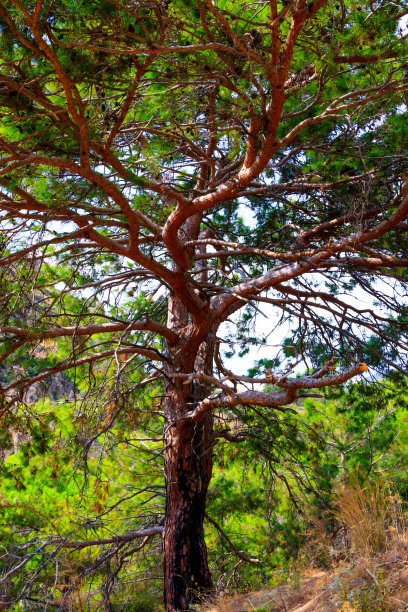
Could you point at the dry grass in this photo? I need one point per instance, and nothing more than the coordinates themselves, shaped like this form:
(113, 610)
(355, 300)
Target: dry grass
(372, 575)
(366, 513)
(278, 599)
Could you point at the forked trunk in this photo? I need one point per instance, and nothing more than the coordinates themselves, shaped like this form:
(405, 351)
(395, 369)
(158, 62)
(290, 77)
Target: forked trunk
(188, 467)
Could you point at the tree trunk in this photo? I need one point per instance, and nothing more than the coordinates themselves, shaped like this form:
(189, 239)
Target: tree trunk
(187, 462)
(188, 467)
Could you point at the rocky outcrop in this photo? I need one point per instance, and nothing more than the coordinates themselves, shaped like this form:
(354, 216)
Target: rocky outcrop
(56, 387)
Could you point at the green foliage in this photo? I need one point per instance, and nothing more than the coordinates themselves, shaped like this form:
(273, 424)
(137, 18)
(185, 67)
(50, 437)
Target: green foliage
(47, 492)
(259, 493)
(269, 490)
(127, 133)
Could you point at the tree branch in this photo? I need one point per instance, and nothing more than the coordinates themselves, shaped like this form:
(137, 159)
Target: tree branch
(127, 537)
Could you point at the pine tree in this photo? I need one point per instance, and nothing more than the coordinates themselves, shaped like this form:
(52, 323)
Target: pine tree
(137, 140)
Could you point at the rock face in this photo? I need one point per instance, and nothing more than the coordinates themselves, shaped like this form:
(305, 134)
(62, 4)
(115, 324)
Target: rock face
(56, 387)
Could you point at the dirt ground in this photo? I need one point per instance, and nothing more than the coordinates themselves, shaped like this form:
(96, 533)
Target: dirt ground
(348, 589)
(283, 598)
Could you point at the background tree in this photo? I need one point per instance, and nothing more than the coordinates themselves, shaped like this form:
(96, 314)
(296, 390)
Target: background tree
(132, 135)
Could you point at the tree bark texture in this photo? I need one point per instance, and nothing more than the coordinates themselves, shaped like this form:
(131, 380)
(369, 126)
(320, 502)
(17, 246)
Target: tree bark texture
(188, 469)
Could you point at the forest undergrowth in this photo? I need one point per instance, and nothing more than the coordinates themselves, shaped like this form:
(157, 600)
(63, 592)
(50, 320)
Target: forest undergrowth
(326, 529)
(362, 567)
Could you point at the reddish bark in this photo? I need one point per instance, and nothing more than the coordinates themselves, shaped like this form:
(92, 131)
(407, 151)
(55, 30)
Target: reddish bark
(188, 465)
(188, 468)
